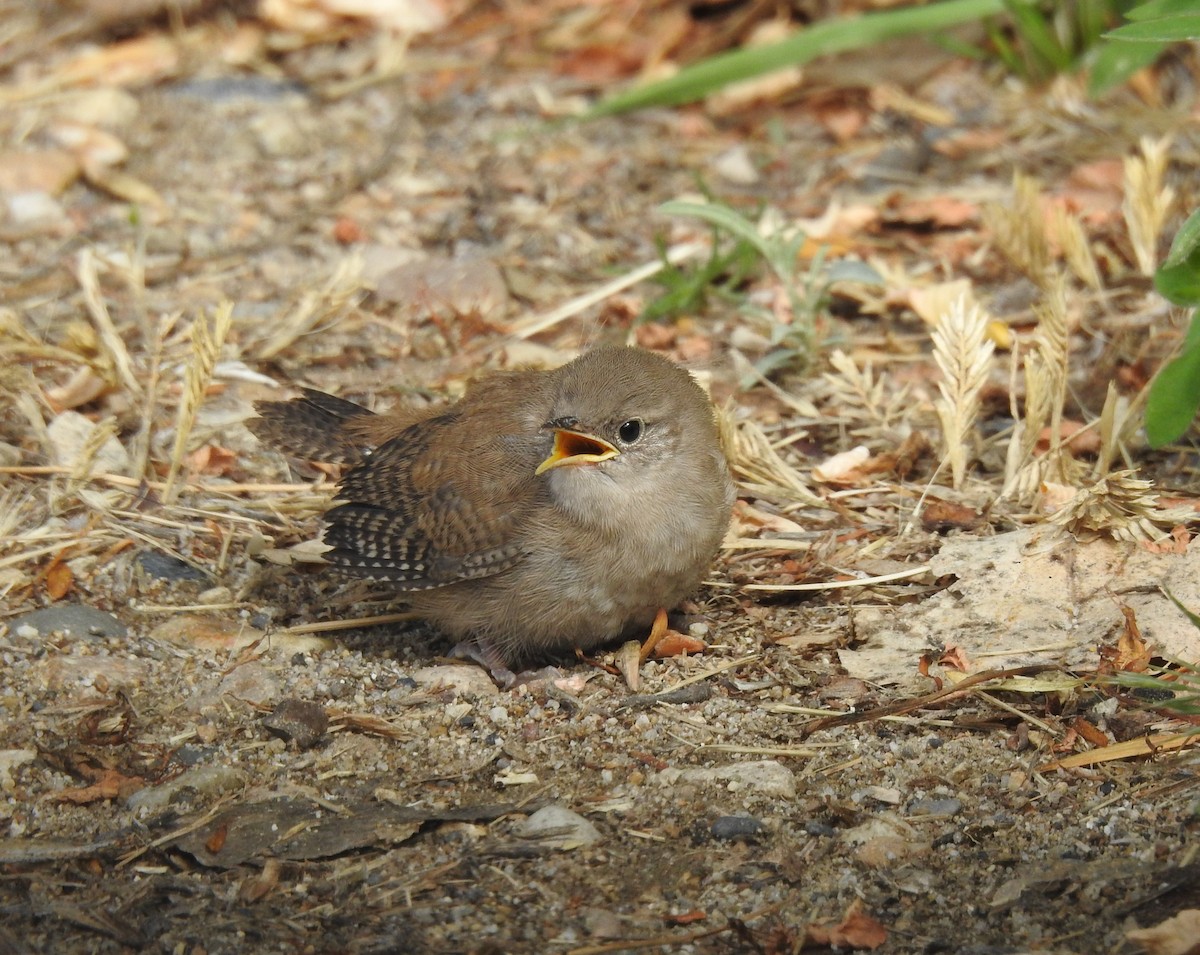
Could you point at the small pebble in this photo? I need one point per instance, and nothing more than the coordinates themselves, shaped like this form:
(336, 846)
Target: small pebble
(297, 721)
(736, 827)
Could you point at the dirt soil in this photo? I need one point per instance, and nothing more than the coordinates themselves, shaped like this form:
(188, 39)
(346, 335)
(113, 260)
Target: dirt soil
(153, 793)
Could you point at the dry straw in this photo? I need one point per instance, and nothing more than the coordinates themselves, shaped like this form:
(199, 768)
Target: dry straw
(963, 352)
(208, 335)
(1045, 397)
(1148, 201)
(1017, 229)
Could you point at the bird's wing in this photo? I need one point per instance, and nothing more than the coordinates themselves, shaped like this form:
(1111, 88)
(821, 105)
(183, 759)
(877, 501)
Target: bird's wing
(316, 426)
(442, 501)
(328, 429)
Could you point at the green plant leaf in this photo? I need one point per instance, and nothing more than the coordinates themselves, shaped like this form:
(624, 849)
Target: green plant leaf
(1175, 392)
(1178, 278)
(1180, 284)
(1039, 37)
(1173, 29)
(1154, 9)
(831, 36)
(1114, 62)
(1186, 241)
(722, 217)
(852, 270)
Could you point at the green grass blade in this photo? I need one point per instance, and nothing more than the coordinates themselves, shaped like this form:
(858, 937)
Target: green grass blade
(832, 36)
(1174, 29)
(1039, 37)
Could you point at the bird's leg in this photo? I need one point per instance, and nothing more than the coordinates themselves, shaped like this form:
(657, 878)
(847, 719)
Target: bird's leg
(593, 662)
(658, 630)
(666, 640)
(488, 657)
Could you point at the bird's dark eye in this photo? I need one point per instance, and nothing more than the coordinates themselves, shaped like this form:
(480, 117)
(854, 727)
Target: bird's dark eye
(631, 430)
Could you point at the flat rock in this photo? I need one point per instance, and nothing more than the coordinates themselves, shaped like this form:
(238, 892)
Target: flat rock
(766, 777)
(73, 620)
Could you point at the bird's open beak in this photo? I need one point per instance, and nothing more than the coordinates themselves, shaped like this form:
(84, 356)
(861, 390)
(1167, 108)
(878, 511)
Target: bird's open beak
(575, 447)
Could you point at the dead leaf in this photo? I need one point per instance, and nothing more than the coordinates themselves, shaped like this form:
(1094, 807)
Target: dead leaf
(1093, 734)
(747, 519)
(110, 784)
(318, 18)
(1177, 543)
(1131, 652)
(82, 387)
(956, 658)
(1074, 436)
(49, 171)
(943, 212)
(841, 468)
(1179, 935)
(1130, 749)
(939, 516)
(59, 580)
(933, 301)
(856, 930)
(129, 63)
(212, 460)
(259, 886)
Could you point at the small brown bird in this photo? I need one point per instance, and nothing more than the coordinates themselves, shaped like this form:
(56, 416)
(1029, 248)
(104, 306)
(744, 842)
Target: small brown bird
(545, 511)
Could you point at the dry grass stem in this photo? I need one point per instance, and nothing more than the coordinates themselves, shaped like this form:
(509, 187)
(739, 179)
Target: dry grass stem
(1119, 506)
(842, 584)
(89, 454)
(352, 623)
(208, 335)
(1119, 422)
(878, 409)
(963, 352)
(315, 309)
(1148, 201)
(535, 324)
(1076, 250)
(110, 340)
(1045, 397)
(1018, 229)
(757, 466)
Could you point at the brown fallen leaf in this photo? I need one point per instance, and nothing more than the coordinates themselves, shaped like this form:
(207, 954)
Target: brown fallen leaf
(939, 516)
(59, 580)
(111, 784)
(955, 658)
(687, 918)
(1179, 935)
(1093, 734)
(856, 930)
(1130, 653)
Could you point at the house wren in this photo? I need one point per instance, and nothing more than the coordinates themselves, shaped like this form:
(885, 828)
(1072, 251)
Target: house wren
(545, 511)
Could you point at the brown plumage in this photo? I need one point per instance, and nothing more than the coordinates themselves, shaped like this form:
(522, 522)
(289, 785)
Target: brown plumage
(544, 511)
